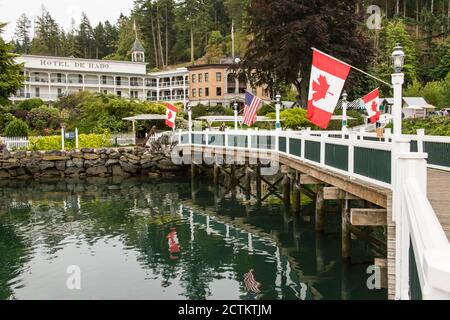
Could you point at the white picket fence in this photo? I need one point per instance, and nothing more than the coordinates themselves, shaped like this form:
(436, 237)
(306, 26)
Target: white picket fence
(15, 143)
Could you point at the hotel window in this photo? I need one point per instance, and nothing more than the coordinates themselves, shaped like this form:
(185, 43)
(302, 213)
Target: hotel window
(134, 94)
(206, 92)
(37, 92)
(193, 78)
(105, 91)
(59, 92)
(119, 93)
(134, 81)
(59, 77)
(200, 77)
(104, 79)
(206, 77)
(194, 93)
(218, 76)
(218, 91)
(200, 92)
(80, 78)
(118, 81)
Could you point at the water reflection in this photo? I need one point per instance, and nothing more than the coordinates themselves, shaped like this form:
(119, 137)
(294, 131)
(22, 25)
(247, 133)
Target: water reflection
(134, 239)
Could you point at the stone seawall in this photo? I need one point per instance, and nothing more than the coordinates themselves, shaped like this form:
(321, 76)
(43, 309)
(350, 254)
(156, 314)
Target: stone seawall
(103, 162)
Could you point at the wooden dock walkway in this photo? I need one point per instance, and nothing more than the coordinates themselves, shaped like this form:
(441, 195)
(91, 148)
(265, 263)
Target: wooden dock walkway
(439, 196)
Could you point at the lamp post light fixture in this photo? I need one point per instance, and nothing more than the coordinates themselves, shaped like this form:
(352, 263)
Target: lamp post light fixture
(398, 78)
(277, 109)
(344, 111)
(235, 107)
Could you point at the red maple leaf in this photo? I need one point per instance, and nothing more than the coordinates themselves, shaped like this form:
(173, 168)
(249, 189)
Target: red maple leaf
(320, 87)
(374, 106)
(169, 115)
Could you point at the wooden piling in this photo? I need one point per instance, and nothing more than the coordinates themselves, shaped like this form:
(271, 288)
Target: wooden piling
(346, 236)
(216, 175)
(287, 191)
(320, 212)
(296, 194)
(258, 183)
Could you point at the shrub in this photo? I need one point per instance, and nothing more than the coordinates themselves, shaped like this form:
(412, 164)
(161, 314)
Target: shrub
(44, 117)
(30, 104)
(16, 128)
(84, 141)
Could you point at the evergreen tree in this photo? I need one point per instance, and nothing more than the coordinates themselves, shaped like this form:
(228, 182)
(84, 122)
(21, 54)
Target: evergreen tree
(10, 72)
(22, 34)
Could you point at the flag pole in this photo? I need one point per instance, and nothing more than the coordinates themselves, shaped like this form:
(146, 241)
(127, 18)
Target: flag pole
(355, 68)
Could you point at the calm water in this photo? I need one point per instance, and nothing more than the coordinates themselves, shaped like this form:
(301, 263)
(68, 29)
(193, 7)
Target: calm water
(134, 239)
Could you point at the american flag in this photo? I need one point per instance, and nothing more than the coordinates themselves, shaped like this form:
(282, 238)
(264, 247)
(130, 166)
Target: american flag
(250, 282)
(252, 104)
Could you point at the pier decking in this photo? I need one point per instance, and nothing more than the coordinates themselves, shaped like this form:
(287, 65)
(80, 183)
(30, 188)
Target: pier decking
(439, 196)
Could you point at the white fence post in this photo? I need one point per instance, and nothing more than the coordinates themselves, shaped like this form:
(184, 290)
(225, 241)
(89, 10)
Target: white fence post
(62, 138)
(76, 138)
(420, 136)
(323, 137)
(351, 153)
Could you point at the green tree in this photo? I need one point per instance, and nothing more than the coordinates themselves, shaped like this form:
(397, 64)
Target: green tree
(10, 72)
(22, 33)
(17, 128)
(283, 32)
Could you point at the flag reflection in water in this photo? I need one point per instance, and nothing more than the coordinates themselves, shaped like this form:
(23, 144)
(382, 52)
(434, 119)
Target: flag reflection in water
(174, 245)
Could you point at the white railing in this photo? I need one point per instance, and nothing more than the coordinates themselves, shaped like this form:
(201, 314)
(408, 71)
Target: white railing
(416, 221)
(417, 225)
(123, 139)
(15, 143)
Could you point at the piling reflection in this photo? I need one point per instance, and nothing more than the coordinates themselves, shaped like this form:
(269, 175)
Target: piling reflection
(136, 239)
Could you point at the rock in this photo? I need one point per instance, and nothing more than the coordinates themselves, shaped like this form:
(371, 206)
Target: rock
(76, 154)
(50, 173)
(91, 156)
(168, 166)
(88, 163)
(32, 168)
(128, 167)
(154, 175)
(4, 174)
(70, 164)
(103, 156)
(132, 157)
(20, 154)
(78, 162)
(36, 154)
(87, 150)
(49, 157)
(60, 165)
(44, 165)
(118, 171)
(96, 171)
(148, 165)
(111, 162)
(114, 155)
(73, 170)
(6, 154)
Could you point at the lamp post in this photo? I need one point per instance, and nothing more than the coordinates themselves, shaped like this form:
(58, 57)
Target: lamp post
(344, 111)
(235, 107)
(189, 110)
(277, 109)
(398, 78)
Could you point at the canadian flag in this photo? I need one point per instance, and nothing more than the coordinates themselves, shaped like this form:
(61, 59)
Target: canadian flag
(171, 115)
(328, 77)
(372, 103)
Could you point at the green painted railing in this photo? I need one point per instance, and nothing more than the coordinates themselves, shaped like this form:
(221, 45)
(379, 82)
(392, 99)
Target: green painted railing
(438, 153)
(263, 142)
(282, 144)
(238, 141)
(217, 140)
(413, 146)
(373, 163)
(198, 138)
(184, 138)
(312, 150)
(295, 147)
(336, 156)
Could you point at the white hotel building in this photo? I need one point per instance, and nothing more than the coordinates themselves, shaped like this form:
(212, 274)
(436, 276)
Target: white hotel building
(51, 77)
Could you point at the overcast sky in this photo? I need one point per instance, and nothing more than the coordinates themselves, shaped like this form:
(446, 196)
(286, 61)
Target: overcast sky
(62, 11)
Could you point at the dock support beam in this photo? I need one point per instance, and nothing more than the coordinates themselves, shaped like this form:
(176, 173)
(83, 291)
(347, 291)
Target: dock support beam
(296, 194)
(287, 190)
(320, 209)
(346, 236)
(216, 174)
(193, 170)
(258, 184)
